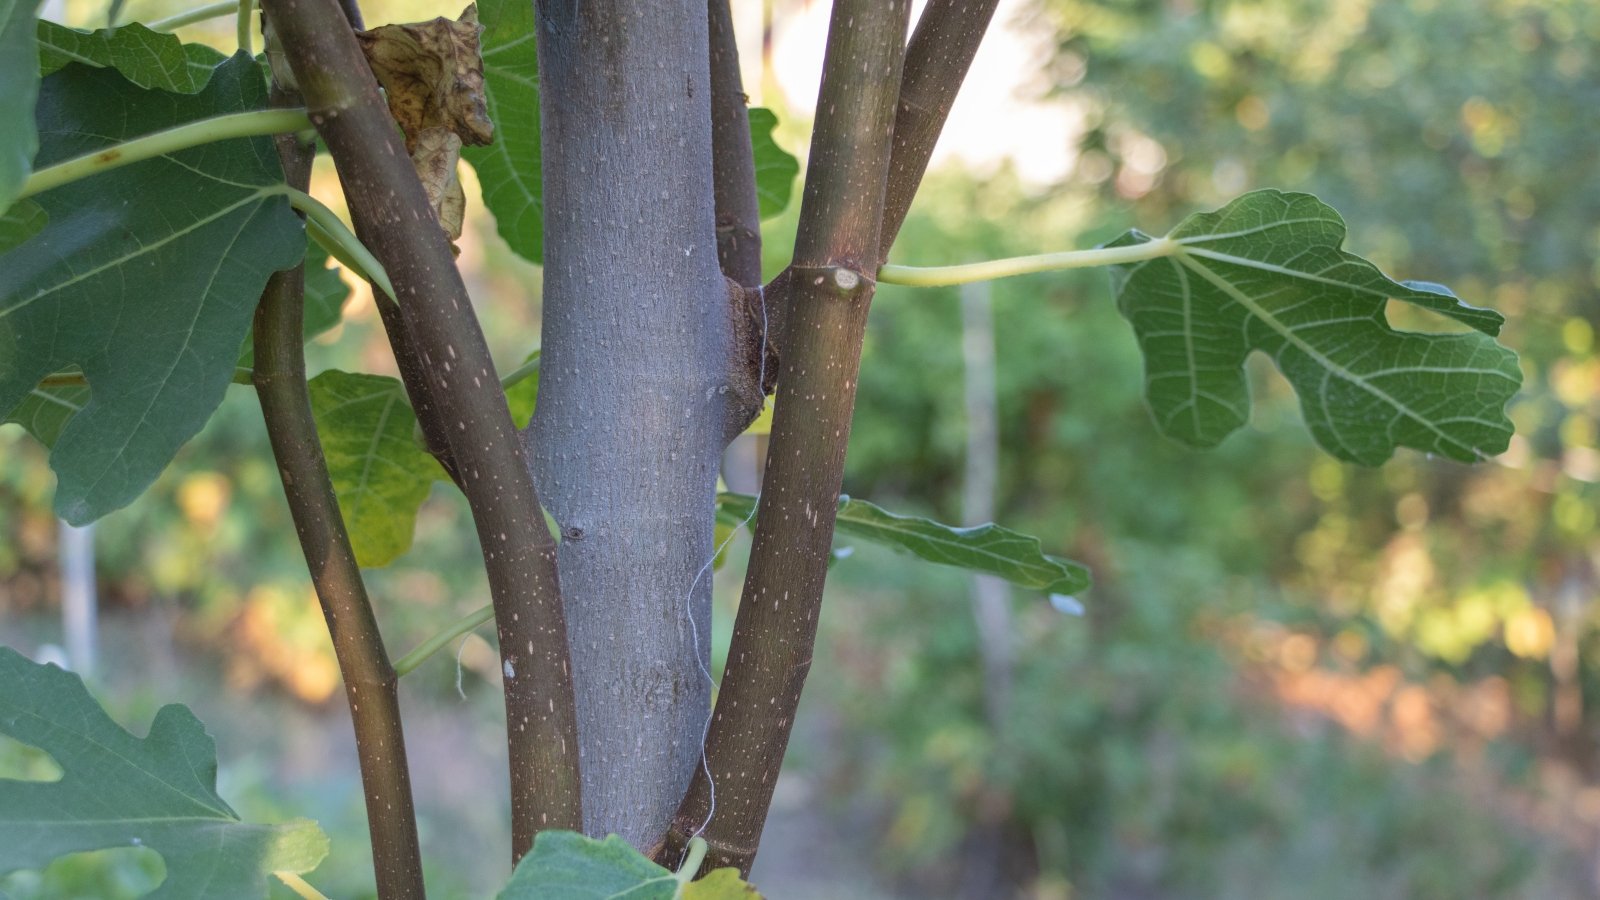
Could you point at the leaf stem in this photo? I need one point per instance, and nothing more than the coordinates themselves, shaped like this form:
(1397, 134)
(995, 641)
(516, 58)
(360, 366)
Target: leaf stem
(330, 232)
(218, 128)
(295, 882)
(521, 373)
(242, 25)
(198, 14)
(405, 664)
(692, 861)
(945, 276)
(241, 375)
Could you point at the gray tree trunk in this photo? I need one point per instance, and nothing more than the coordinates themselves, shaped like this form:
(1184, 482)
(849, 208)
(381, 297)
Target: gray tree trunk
(625, 443)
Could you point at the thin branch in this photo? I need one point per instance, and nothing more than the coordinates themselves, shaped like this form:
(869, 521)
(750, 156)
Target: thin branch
(835, 254)
(370, 682)
(446, 360)
(732, 162)
(738, 212)
(219, 128)
(937, 60)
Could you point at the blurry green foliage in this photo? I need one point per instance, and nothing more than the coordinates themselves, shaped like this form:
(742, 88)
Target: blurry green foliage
(1454, 136)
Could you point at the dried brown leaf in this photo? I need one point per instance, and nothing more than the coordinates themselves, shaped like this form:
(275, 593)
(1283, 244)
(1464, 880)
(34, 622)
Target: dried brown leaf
(435, 154)
(432, 73)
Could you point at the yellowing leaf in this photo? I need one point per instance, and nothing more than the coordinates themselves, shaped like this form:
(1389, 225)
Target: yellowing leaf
(380, 474)
(723, 884)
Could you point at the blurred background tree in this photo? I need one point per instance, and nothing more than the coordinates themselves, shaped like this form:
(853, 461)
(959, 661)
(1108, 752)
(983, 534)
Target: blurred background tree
(1293, 677)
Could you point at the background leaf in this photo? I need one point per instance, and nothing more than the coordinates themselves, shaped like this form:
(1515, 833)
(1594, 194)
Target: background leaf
(117, 790)
(776, 168)
(1016, 557)
(159, 295)
(1266, 273)
(19, 73)
(149, 59)
(523, 396)
(326, 292)
(508, 168)
(23, 220)
(380, 473)
(47, 409)
(565, 865)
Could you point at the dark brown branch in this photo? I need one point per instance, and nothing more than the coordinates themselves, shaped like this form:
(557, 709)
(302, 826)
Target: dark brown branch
(430, 419)
(937, 60)
(369, 681)
(352, 13)
(836, 253)
(738, 223)
(393, 218)
(733, 163)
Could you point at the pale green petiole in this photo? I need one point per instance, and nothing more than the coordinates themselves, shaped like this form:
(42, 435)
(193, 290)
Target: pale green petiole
(944, 276)
(300, 886)
(328, 230)
(220, 128)
(691, 862)
(520, 373)
(242, 27)
(431, 646)
(198, 14)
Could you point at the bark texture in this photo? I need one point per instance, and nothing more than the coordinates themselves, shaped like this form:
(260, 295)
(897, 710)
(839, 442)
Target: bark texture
(394, 219)
(626, 438)
(830, 285)
(370, 683)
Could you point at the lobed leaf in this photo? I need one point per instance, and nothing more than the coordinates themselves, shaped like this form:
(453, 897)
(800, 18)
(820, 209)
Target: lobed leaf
(565, 865)
(149, 59)
(150, 300)
(381, 475)
(991, 549)
(1267, 273)
(776, 168)
(117, 790)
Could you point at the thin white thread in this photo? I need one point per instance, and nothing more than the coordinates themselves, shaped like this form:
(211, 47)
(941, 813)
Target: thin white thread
(694, 630)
